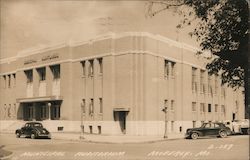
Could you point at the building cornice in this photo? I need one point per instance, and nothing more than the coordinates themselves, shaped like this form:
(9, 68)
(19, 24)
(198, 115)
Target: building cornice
(110, 35)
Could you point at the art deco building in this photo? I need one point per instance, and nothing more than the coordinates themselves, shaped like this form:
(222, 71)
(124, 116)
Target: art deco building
(114, 84)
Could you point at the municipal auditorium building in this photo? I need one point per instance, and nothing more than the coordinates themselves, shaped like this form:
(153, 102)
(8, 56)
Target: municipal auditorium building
(114, 84)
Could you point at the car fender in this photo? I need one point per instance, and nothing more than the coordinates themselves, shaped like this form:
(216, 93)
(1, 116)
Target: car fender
(18, 131)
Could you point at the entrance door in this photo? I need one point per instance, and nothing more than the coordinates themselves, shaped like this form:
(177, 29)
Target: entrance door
(28, 112)
(122, 121)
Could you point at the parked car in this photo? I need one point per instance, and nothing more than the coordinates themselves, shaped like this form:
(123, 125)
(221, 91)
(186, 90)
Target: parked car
(209, 129)
(33, 130)
(239, 126)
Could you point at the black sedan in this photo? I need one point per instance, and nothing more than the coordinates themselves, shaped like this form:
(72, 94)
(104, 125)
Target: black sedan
(33, 130)
(209, 129)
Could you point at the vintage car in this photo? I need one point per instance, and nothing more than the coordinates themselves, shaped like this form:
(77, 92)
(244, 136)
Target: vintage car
(239, 126)
(33, 130)
(208, 129)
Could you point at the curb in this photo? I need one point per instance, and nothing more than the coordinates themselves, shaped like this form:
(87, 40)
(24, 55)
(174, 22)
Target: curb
(107, 142)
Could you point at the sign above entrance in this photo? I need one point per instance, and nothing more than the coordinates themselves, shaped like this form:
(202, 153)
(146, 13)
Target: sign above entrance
(44, 58)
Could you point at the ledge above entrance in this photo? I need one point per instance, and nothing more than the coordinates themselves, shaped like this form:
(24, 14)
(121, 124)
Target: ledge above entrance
(39, 99)
(121, 109)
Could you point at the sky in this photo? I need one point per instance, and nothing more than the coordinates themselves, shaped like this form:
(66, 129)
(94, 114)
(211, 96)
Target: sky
(27, 24)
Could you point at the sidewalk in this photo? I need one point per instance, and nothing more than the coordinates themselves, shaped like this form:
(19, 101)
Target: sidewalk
(95, 138)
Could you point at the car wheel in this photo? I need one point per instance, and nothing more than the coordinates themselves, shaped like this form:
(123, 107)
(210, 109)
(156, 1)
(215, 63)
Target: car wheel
(194, 135)
(18, 135)
(223, 134)
(33, 136)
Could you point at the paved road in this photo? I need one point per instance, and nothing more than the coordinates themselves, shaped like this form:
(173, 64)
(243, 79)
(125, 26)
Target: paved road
(230, 148)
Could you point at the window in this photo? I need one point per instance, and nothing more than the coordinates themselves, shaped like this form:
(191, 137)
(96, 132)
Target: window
(216, 84)
(202, 81)
(194, 79)
(223, 91)
(99, 129)
(83, 68)
(165, 104)
(223, 109)
(83, 105)
(100, 65)
(55, 112)
(209, 108)
(172, 69)
(202, 107)
(216, 108)
(90, 129)
(91, 107)
(41, 73)
(9, 81)
(172, 126)
(9, 111)
(166, 69)
(29, 75)
(210, 88)
(172, 105)
(194, 106)
(14, 79)
(194, 124)
(169, 68)
(4, 79)
(91, 67)
(101, 105)
(55, 71)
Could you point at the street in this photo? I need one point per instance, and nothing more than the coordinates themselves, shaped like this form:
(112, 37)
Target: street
(230, 148)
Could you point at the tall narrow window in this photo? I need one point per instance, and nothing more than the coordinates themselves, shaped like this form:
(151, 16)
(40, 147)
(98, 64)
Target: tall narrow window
(216, 108)
(101, 105)
(194, 106)
(83, 68)
(166, 104)
(194, 79)
(209, 109)
(4, 79)
(202, 81)
(29, 75)
(55, 112)
(172, 105)
(100, 65)
(202, 107)
(91, 107)
(194, 124)
(56, 71)
(172, 126)
(210, 88)
(166, 68)
(14, 79)
(9, 81)
(41, 73)
(216, 84)
(172, 69)
(91, 67)
(223, 91)
(83, 105)
(223, 109)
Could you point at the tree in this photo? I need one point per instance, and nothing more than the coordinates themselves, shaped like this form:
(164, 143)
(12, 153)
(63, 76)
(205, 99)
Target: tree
(222, 29)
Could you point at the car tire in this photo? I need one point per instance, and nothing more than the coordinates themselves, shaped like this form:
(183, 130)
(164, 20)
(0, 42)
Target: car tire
(223, 134)
(33, 136)
(18, 135)
(194, 135)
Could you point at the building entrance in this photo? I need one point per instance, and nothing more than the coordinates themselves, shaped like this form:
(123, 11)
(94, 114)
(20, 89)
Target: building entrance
(120, 115)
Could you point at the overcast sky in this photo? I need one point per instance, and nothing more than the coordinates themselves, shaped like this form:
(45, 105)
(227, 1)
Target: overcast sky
(31, 23)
